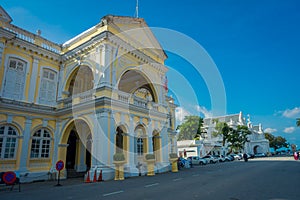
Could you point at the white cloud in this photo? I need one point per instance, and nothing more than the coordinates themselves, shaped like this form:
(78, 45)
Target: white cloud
(295, 112)
(180, 113)
(270, 130)
(289, 129)
(204, 111)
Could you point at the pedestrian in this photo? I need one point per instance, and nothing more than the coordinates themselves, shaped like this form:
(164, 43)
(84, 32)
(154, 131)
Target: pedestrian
(298, 155)
(245, 156)
(191, 161)
(139, 165)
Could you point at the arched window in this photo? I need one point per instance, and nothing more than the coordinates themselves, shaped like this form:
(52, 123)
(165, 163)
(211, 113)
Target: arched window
(8, 142)
(82, 81)
(41, 143)
(48, 87)
(14, 79)
(119, 140)
(140, 146)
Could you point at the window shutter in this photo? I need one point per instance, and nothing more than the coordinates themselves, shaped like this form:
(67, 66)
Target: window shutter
(48, 87)
(14, 79)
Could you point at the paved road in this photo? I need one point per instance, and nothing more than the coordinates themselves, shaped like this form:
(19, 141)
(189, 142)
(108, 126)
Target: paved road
(270, 178)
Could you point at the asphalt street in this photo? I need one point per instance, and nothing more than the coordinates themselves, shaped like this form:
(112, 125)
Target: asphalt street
(262, 178)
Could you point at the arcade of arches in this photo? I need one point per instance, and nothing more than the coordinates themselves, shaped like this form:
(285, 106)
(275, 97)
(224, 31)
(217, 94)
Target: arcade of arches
(76, 104)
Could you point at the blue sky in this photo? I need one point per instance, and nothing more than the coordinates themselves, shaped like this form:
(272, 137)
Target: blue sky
(254, 44)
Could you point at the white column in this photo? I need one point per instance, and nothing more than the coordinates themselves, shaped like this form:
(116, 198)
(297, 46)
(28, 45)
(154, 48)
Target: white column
(60, 81)
(96, 142)
(81, 166)
(132, 162)
(1, 52)
(106, 55)
(101, 150)
(33, 79)
(165, 144)
(131, 159)
(25, 147)
(111, 139)
(150, 136)
(114, 67)
(56, 142)
(98, 73)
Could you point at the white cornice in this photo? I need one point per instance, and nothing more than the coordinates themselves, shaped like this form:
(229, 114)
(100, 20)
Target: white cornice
(117, 42)
(35, 49)
(80, 36)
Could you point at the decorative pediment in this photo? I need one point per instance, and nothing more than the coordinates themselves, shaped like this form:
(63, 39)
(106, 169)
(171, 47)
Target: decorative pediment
(4, 17)
(136, 32)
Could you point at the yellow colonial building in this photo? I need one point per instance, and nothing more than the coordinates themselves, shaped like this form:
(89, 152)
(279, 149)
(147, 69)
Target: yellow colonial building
(98, 94)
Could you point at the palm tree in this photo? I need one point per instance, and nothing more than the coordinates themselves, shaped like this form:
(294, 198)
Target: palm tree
(298, 122)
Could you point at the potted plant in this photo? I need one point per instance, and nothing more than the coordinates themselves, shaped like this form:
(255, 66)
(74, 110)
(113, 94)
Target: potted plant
(119, 161)
(150, 159)
(173, 159)
(119, 157)
(150, 156)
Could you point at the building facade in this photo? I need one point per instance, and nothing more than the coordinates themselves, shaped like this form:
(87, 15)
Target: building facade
(208, 144)
(213, 145)
(81, 102)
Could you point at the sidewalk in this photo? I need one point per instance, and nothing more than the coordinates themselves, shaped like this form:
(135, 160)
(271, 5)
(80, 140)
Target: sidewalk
(40, 185)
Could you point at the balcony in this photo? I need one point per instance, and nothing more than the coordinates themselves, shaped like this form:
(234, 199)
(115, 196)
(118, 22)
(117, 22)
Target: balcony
(116, 97)
(33, 38)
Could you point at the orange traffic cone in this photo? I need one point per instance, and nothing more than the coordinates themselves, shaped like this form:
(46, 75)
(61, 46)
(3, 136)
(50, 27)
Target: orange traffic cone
(95, 176)
(88, 180)
(100, 177)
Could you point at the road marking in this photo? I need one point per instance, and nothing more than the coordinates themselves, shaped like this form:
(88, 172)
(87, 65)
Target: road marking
(196, 174)
(112, 193)
(177, 179)
(151, 185)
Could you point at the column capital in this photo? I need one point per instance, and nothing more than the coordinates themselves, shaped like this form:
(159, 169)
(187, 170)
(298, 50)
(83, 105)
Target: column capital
(28, 120)
(35, 59)
(63, 145)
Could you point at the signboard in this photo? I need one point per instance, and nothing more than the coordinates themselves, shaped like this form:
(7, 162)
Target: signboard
(60, 165)
(8, 178)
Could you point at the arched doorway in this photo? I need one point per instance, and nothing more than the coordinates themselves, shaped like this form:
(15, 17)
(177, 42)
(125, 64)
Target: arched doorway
(119, 140)
(122, 141)
(156, 143)
(257, 149)
(75, 148)
(71, 150)
(140, 144)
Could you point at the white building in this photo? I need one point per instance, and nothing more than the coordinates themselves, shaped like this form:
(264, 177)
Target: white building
(213, 145)
(257, 142)
(188, 148)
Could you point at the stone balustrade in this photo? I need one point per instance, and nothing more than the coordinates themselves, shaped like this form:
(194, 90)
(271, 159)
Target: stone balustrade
(33, 38)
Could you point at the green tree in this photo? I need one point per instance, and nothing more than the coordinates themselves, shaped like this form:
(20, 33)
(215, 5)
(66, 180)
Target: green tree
(276, 142)
(271, 139)
(238, 137)
(199, 130)
(191, 128)
(223, 129)
(280, 142)
(298, 122)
